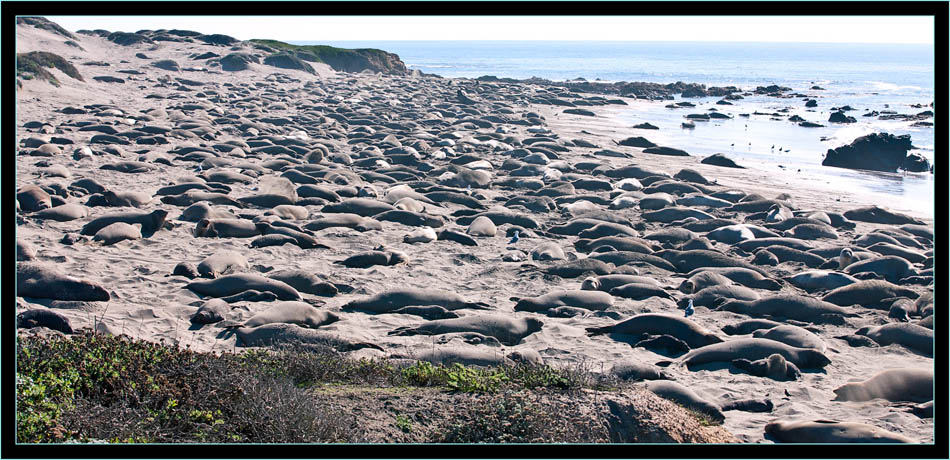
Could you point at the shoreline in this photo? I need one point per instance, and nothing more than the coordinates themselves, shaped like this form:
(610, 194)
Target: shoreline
(609, 123)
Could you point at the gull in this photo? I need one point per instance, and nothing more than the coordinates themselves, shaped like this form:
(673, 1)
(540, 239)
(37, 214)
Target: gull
(514, 239)
(689, 308)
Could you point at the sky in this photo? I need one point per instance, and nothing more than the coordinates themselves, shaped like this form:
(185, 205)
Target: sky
(815, 29)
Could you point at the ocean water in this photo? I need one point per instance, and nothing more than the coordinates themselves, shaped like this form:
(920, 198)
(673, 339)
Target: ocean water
(867, 77)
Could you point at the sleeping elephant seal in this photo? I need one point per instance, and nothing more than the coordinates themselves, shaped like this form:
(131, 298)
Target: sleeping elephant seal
(394, 299)
(212, 311)
(912, 336)
(379, 256)
(634, 371)
(682, 395)
(794, 336)
(790, 306)
(752, 349)
(151, 221)
(277, 334)
(305, 282)
(45, 282)
(226, 228)
(234, 284)
(590, 300)
(509, 331)
(868, 293)
(774, 367)
(293, 312)
(221, 263)
(915, 385)
(658, 324)
(825, 431)
(43, 317)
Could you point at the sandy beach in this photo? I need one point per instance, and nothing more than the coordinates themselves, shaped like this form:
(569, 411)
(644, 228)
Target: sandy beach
(378, 138)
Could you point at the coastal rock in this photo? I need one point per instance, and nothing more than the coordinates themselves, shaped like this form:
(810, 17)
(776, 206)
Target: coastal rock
(840, 117)
(876, 152)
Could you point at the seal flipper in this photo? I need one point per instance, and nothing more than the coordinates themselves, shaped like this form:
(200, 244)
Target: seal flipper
(665, 363)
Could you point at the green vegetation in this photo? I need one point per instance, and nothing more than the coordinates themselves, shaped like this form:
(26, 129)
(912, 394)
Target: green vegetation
(101, 387)
(34, 64)
(349, 60)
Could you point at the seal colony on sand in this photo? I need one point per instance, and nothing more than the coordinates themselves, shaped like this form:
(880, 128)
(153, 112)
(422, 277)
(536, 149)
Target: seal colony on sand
(385, 213)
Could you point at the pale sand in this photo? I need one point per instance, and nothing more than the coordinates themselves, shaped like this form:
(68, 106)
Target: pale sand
(149, 305)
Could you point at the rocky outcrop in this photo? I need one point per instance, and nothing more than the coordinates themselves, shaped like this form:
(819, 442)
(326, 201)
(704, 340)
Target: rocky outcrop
(288, 61)
(876, 152)
(236, 62)
(339, 59)
(840, 117)
(45, 24)
(128, 39)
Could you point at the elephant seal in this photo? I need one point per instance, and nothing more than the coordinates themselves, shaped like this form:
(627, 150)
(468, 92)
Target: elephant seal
(509, 331)
(640, 291)
(234, 284)
(786, 254)
(878, 215)
(752, 349)
(743, 276)
(590, 300)
(659, 324)
(702, 280)
(116, 232)
(790, 306)
(467, 356)
(363, 207)
(687, 261)
(548, 251)
(892, 268)
(305, 282)
(619, 258)
(916, 385)
(731, 234)
(221, 263)
(682, 395)
(394, 299)
(794, 336)
(607, 282)
(575, 268)
(188, 270)
(348, 220)
(45, 282)
(44, 317)
(276, 334)
(620, 243)
(812, 232)
(202, 210)
(458, 237)
(675, 213)
(250, 295)
(820, 280)
(826, 431)
(293, 312)
(151, 222)
(32, 198)
(62, 213)
(274, 239)
(749, 326)
(304, 240)
(24, 251)
(748, 405)
(226, 228)
(774, 367)
(428, 312)
(868, 294)
(380, 256)
(211, 311)
(912, 336)
(713, 296)
(845, 258)
(482, 226)
(885, 249)
(635, 370)
(423, 235)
